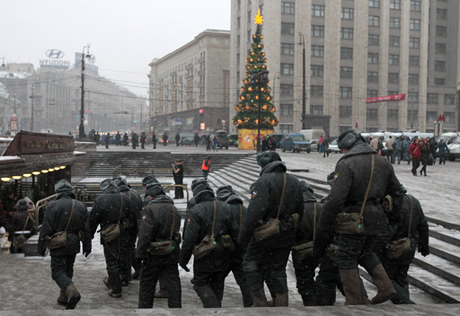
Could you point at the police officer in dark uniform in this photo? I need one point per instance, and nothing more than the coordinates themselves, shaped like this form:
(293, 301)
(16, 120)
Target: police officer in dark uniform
(114, 207)
(143, 136)
(227, 195)
(352, 188)
(305, 267)
(136, 203)
(397, 268)
(210, 271)
(266, 260)
(69, 215)
(160, 222)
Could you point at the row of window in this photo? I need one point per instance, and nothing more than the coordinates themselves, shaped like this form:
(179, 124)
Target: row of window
(371, 114)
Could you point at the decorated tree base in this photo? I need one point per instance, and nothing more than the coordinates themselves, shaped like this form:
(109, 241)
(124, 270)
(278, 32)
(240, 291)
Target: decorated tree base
(247, 138)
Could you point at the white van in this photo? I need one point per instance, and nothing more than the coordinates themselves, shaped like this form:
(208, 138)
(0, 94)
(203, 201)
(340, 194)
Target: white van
(313, 135)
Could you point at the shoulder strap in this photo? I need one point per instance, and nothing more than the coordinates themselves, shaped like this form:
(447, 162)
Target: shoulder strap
(411, 209)
(368, 186)
(25, 224)
(282, 196)
(174, 220)
(314, 221)
(121, 208)
(241, 214)
(71, 212)
(214, 219)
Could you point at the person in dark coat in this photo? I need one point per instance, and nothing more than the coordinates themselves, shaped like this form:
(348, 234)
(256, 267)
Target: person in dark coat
(154, 140)
(433, 146)
(20, 222)
(425, 155)
(405, 149)
(271, 143)
(117, 138)
(98, 138)
(196, 138)
(165, 139)
(178, 175)
(113, 207)
(209, 272)
(305, 268)
(354, 185)
(264, 145)
(415, 154)
(143, 140)
(107, 140)
(398, 149)
(125, 139)
(227, 195)
(136, 202)
(69, 215)
(443, 151)
(397, 268)
(134, 140)
(160, 222)
(177, 139)
(325, 146)
(274, 192)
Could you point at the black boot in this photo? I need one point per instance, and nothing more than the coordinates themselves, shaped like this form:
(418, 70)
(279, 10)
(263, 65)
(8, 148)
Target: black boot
(72, 294)
(260, 300)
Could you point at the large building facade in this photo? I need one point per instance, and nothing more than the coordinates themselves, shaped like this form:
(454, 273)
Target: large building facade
(189, 88)
(355, 49)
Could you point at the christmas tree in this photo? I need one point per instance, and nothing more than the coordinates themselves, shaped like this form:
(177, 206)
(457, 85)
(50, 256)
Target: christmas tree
(255, 92)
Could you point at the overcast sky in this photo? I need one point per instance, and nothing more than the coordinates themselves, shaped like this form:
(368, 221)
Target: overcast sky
(125, 35)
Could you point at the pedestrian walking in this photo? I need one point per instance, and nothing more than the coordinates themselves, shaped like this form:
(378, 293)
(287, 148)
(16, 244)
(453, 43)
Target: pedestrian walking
(443, 151)
(154, 140)
(389, 146)
(264, 143)
(320, 144)
(425, 155)
(415, 154)
(362, 178)
(206, 167)
(196, 138)
(165, 139)
(158, 248)
(208, 143)
(113, 211)
(212, 224)
(69, 216)
(178, 175)
(398, 149)
(413, 228)
(125, 139)
(117, 138)
(107, 140)
(134, 140)
(177, 139)
(276, 199)
(405, 149)
(215, 143)
(271, 143)
(143, 139)
(325, 147)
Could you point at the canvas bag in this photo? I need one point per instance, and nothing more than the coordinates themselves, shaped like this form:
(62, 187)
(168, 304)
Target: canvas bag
(163, 248)
(402, 246)
(59, 239)
(113, 231)
(226, 240)
(19, 241)
(270, 228)
(305, 250)
(208, 243)
(352, 223)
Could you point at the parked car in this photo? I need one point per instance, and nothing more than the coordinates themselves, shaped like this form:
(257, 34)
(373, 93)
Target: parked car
(295, 142)
(233, 140)
(278, 138)
(334, 147)
(222, 139)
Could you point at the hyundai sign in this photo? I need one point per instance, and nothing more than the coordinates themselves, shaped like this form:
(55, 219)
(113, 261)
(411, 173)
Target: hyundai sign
(54, 62)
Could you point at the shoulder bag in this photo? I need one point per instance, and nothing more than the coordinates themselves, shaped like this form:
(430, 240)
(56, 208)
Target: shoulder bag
(19, 241)
(270, 228)
(208, 243)
(352, 223)
(226, 240)
(163, 248)
(59, 239)
(402, 246)
(113, 231)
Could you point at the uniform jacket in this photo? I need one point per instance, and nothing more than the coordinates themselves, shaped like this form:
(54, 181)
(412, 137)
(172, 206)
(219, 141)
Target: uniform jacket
(305, 232)
(136, 201)
(265, 200)
(200, 225)
(348, 189)
(55, 220)
(398, 144)
(106, 211)
(419, 230)
(156, 224)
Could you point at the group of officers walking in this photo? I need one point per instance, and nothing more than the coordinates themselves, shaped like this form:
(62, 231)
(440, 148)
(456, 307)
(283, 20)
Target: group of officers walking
(366, 209)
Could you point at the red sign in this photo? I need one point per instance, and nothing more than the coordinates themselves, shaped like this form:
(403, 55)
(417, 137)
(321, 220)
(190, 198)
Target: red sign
(396, 97)
(441, 118)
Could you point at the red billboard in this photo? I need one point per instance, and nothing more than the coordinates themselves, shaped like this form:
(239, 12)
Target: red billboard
(396, 97)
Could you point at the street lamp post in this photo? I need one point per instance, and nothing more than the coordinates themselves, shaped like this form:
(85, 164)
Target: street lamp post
(304, 96)
(32, 96)
(81, 129)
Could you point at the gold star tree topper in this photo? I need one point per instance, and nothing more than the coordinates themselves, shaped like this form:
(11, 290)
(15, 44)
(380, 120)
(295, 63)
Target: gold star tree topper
(259, 19)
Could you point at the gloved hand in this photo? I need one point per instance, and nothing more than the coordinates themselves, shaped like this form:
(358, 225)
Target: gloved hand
(184, 266)
(424, 250)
